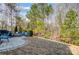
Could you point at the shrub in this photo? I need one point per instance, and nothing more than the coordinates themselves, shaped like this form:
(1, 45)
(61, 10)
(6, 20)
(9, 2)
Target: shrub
(30, 33)
(16, 29)
(47, 35)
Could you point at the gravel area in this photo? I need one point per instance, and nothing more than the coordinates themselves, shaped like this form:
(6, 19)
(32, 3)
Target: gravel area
(37, 46)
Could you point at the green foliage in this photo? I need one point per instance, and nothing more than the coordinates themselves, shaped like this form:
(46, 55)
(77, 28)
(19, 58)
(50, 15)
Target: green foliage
(69, 28)
(39, 26)
(47, 35)
(76, 42)
(39, 11)
(37, 14)
(30, 32)
(16, 29)
(18, 18)
(20, 29)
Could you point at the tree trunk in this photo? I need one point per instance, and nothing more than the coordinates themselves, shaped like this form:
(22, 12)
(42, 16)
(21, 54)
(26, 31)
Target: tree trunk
(11, 21)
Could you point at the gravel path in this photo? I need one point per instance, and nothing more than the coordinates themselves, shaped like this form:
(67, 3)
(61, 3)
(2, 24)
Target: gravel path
(37, 46)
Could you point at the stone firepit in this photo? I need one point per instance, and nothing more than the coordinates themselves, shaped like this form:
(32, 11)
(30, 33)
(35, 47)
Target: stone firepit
(14, 43)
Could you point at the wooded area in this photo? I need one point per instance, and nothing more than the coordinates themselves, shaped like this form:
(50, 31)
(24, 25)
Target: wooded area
(63, 26)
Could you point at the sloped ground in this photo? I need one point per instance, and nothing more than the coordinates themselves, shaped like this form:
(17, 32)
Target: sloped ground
(39, 46)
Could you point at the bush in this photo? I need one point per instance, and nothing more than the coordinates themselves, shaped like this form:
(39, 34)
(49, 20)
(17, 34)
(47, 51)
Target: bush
(16, 29)
(20, 29)
(30, 33)
(47, 35)
(76, 42)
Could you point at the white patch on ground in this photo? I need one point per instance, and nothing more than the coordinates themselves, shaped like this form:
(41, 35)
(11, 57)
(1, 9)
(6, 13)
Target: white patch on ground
(13, 43)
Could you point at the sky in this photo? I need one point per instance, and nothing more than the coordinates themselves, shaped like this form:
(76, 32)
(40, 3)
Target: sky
(25, 7)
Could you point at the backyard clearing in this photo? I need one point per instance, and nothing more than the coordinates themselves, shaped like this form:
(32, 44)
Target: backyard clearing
(39, 46)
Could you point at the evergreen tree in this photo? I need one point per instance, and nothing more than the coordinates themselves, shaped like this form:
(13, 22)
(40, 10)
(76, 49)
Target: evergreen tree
(69, 27)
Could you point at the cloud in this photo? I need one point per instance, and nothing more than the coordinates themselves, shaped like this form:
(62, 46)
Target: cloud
(23, 8)
(26, 8)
